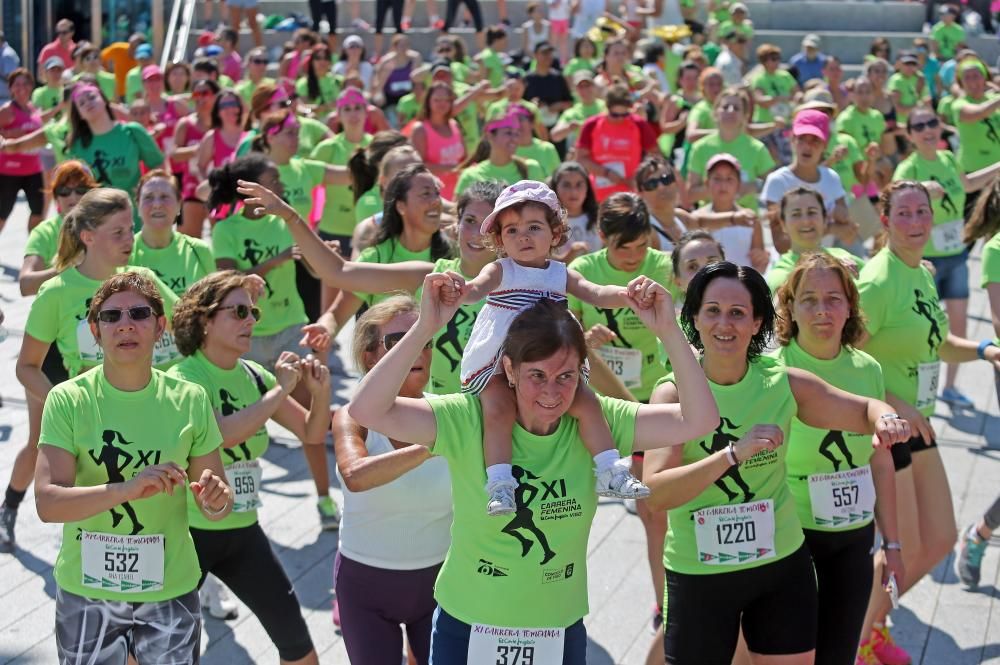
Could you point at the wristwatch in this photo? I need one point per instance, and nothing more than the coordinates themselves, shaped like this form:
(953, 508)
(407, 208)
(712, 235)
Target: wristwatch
(892, 545)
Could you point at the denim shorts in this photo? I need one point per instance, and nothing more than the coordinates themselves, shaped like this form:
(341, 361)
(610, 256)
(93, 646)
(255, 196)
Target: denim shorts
(951, 276)
(244, 4)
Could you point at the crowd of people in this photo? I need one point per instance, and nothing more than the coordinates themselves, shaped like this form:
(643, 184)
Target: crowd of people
(598, 256)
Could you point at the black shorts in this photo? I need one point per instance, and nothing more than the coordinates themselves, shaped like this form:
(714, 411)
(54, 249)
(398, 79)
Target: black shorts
(776, 605)
(32, 186)
(843, 562)
(52, 366)
(344, 241)
(244, 560)
(902, 453)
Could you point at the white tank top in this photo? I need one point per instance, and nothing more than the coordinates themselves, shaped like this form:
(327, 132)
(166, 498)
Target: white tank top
(402, 525)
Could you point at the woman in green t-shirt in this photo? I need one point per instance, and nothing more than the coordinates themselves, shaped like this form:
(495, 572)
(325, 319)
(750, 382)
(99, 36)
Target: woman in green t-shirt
(842, 486)
(734, 551)
(120, 446)
(495, 157)
(907, 333)
(214, 323)
(546, 540)
(941, 173)
(260, 244)
(318, 87)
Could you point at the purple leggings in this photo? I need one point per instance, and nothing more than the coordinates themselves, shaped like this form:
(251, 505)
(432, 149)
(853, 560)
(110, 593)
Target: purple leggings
(375, 601)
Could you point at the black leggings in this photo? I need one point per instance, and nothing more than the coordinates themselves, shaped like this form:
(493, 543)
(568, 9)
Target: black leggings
(244, 560)
(319, 8)
(382, 8)
(473, 5)
(32, 186)
(843, 562)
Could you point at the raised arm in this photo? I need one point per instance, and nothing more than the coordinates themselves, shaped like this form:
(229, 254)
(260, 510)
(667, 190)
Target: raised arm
(376, 403)
(482, 284)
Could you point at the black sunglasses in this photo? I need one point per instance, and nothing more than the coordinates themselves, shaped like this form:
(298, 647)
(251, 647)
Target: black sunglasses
(933, 123)
(66, 191)
(392, 339)
(242, 311)
(140, 313)
(258, 61)
(650, 184)
(618, 116)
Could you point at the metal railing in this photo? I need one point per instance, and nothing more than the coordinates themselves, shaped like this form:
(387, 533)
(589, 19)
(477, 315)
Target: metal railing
(178, 32)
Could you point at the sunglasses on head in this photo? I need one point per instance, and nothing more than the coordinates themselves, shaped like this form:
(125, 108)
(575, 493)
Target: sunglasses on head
(665, 180)
(242, 311)
(392, 339)
(66, 191)
(139, 313)
(933, 123)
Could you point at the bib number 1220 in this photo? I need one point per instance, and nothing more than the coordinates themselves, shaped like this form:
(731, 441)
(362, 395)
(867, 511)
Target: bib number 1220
(731, 533)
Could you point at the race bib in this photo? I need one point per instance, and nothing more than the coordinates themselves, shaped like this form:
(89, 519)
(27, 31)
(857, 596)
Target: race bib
(244, 478)
(125, 564)
(496, 645)
(90, 351)
(947, 237)
(737, 534)
(843, 499)
(927, 384)
(397, 87)
(614, 167)
(625, 363)
(165, 349)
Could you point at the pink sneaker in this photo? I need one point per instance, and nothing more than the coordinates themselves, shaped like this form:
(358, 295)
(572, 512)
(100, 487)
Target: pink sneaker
(886, 649)
(406, 24)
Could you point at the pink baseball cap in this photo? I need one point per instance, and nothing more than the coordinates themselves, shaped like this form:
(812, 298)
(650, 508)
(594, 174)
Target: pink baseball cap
(519, 192)
(151, 72)
(723, 158)
(813, 123)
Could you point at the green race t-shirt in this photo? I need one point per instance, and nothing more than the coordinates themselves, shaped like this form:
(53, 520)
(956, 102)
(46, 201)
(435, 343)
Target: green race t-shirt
(338, 209)
(368, 204)
(948, 36)
(949, 210)
(229, 391)
(106, 82)
(250, 242)
(579, 112)
(45, 98)
(755, 159)
(407, 108)
(555, 509)
(946, 109)
(845, 167)
(778, 273)
(863, 126)
(634, 355)
(761, 396)
(906, 86)
(578, 65)
(329, 90)
(180, 264)
(56, 132)
(59, 315)
(979, 141)
(299, 177)
(114, 157)
(133, 84)
(991, 264)
(388, 251)
(507, 173)
(494, 66)
(907, 327)
(818, 451)
(542, 152)
(450, 341)
(246, 87)
(778, 84)
(43, 240)
(114, 435)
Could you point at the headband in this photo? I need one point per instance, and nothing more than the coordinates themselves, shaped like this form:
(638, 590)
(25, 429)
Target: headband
(351, 96)
(289, 121)
(81, 90)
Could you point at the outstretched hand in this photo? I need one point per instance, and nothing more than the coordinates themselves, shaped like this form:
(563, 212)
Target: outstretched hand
(651, 303)
(262, 201)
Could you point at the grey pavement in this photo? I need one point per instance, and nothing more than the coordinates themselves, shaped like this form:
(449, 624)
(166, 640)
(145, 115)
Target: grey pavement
(939, 622)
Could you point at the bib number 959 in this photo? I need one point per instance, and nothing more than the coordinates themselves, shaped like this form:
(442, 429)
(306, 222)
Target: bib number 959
(515, 655)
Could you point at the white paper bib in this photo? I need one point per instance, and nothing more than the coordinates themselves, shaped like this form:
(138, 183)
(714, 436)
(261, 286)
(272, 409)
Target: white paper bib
(124, 564)
(731, 535)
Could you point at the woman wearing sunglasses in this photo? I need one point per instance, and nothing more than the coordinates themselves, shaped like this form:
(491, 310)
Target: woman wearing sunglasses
(219, 144)
(945, 178)
(120, 445)
(191, 129)
(269, 98)
(656, 180)
(95, 243)
(260, 244)
(88, 64)
(254, 74)
(214, 322)
(391, 548)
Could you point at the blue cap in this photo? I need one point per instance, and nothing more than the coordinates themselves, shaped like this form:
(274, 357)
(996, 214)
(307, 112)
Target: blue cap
(144, 51)
(213, 50)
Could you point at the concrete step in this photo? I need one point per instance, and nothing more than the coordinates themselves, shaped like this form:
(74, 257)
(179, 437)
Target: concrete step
(847, 15)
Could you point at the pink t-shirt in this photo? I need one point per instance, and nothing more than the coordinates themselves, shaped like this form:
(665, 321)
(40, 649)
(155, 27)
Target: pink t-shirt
(27, 120)
(232, 66)
(56, 48)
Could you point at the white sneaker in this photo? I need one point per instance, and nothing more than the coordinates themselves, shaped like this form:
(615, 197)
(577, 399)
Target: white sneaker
(501, 497)
(215, 597)
(619, 483)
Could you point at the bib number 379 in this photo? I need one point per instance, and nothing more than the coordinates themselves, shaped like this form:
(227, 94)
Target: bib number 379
(496, 645)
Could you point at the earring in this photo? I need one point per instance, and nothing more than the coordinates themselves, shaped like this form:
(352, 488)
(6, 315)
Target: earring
(510, 383)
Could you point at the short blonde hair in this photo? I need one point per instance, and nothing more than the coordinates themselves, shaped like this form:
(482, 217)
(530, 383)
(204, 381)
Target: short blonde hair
(367, 329)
